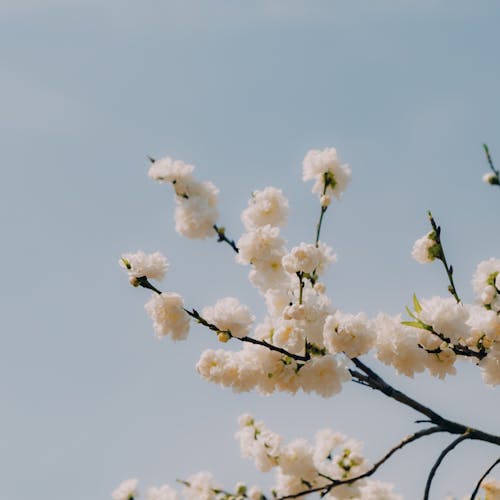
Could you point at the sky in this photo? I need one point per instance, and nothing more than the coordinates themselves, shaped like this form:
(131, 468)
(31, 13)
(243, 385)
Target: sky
(406, 91)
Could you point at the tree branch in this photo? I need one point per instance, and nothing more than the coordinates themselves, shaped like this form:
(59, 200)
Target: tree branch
(337, 482)
(478, 485)
(443, 454)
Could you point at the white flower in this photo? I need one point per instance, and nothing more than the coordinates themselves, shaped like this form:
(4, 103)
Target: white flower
(446, 316)
(200, 487)
(484, 281)
(348, 333)
(152, 266)
(196, 211)
(423, 248)
(490, 365)
(377, 490)
(126, 491)
(164, 492)
(323, 375)
(168, 315)
(168, 170)
(229, 314)
(490, 178)
(325, 165)
(296, 459)
(305, 258)
(491, 487)
(268, 206)
(397, 345)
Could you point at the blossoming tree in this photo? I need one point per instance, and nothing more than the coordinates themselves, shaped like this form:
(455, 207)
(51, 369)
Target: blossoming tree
(305, 344)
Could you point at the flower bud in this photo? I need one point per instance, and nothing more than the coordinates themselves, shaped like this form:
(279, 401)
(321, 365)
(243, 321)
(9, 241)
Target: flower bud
(223, 337)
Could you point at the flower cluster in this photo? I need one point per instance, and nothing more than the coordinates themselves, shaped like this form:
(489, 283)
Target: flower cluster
(303, 342)
(196, 202)
(299, 465)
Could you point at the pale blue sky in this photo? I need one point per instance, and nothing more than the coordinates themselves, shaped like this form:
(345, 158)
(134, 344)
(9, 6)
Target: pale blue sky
(406, 91)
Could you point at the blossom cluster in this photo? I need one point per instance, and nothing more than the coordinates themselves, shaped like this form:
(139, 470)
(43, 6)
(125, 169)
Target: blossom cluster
(304, 342)
(298, 465)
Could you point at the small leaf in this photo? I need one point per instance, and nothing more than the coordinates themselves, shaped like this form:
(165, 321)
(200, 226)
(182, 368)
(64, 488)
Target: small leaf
(416, 304)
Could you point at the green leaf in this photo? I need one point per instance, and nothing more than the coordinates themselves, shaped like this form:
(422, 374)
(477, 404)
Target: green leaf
(416, 304)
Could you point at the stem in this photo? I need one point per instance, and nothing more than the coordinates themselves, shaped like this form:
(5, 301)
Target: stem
(476, 489)
(323, 210)
(445, 452)
(196, 315)
(337, 482)
(221, 233)
(442, 257)
(490, 161)
(300, 275)
(318, 225)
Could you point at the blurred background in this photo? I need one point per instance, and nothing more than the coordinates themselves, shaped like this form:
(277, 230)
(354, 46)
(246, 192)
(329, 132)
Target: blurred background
(406, 91)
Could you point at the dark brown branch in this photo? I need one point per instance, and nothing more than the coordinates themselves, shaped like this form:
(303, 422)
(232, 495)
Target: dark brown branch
(490, 161)
(441, 457)
(221, 237)
(337, 482)
(376, 382)
(478, 485)
(297, 357)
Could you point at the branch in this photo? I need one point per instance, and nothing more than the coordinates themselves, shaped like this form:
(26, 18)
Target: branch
(476, 489)
(337, 482)
(221, 234)
(297, 357)
(445, 452)
(369, 377)
(441, 256)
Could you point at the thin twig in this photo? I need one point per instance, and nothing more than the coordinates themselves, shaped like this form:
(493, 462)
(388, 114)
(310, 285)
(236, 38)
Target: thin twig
(441, 256)
(337, 482)
(490, 161)
(478, 485)
(443, 454)
(221, 236)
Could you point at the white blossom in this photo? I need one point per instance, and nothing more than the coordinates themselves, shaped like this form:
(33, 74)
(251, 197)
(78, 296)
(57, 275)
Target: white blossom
(168, 315)
(139, 264)
(164, 492)
(127, 490)
(196, 211)
(229, 314)
(200, 487)
(305, 258)
(377, 490)
(319, 164)
(268, 206)
(175, 171)
(484, 282)
(491, 178)
(324, 375)
(348, 333)
(423, 248)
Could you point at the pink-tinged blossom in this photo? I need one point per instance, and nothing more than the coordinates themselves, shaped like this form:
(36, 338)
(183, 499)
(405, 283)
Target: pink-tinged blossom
(168, 315)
